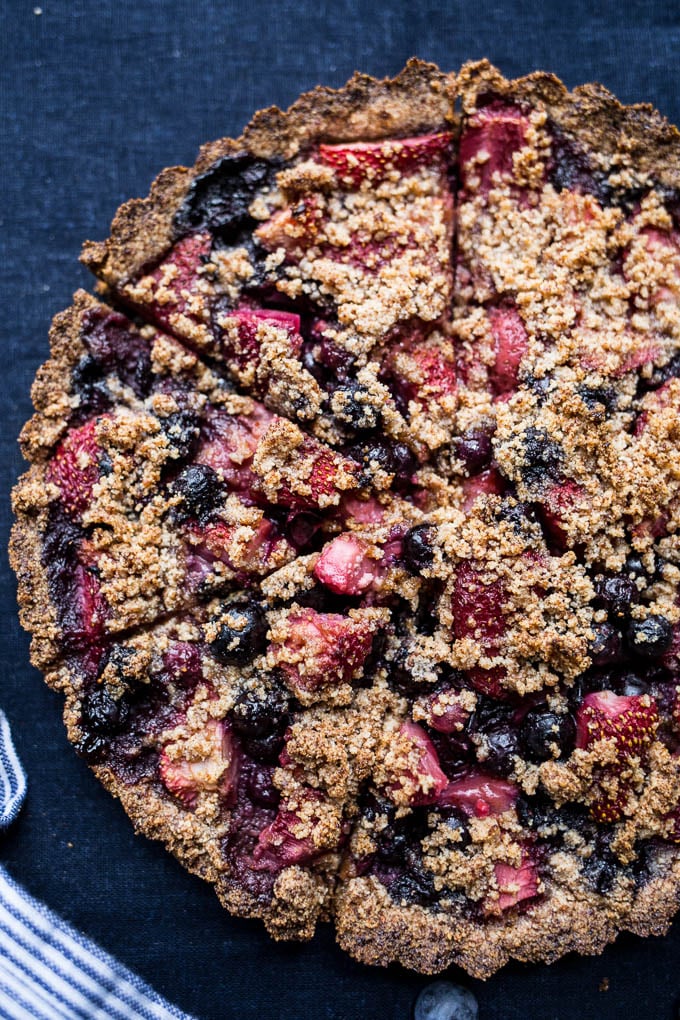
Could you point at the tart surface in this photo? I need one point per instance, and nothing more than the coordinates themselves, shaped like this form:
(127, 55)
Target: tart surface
(349, 527)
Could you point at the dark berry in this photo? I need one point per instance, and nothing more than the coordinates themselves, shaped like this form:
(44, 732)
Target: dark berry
(600, 869)
(541, 729)
(265, 748)
(516, 513)
(199, 488)
(651, 637)
(92, 748)
(543, 457)
(617, 594)
(594, 396)
(501, 743)
(242, 634)
(635, 568)
(454, 821)
(182, 430)
(219, 199)
(301, 528)
(259, 786)
(103, 713)
(606, 646)
(473, 448)
(386, 455)
(259, 712)
(417, 551)
(352, 405)
(630, 685)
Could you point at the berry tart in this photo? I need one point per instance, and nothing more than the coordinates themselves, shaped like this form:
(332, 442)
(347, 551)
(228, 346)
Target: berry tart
(349, 532)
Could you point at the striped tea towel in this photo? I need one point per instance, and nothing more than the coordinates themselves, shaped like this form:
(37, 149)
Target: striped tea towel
(47, 969)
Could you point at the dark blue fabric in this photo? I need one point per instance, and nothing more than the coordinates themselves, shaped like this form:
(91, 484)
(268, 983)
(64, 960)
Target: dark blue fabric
(94, 99)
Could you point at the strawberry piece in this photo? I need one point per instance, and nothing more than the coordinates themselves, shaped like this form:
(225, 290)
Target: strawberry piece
(555, 508)
(279, 847)
(486, 483)
(75, 468)
(445, 713)
(229, 446)
(630, 721)
(85, 619)
(479, 795)
(176, 279)
(243, 344)
(320, 486)
(422, 779)
(361, 511)
(322, 648)
(345, 567)
(514, 885)
(265, 551)
(373, 161)
(477, 613)
(487, 146)
(211, 769)
(477, 607)
(510, 345)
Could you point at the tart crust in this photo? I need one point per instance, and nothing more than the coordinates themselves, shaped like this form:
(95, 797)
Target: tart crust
(371, 926)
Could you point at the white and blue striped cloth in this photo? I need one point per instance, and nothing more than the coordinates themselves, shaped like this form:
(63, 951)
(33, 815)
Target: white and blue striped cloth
(48, 970)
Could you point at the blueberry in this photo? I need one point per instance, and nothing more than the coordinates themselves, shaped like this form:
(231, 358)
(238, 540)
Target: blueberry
(650, 638)
(455, 821)
(352, 405)
(265, 748)
(199, 488)
(387, 455)
(600, 869)
(415, 886)
(242, 634)
(182, 430)
(543, 457)
(630, 685)
(617, 594)
(540, 729)
(417, 548)
(635, 568)
(401, 676)
(259, 784)
(517, 513)
(474, 449)
(606, 646)
(442, 1000)
(102, 713)
(259, 712)
(501, 745)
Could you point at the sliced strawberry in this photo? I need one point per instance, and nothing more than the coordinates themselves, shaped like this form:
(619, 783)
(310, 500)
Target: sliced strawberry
(479, 795)
(240, 339)
(374, 161)
(445, 712)
(279, 847)
(422, 779)
(477, 607)
(487, 483)
(212, 766)
(555, 508)
(514, 885)
(630, 721)
(253, 551)
(75, 469)
(345, 567)
(489, 141)
(175, 281)
(84, 620)
(317, 649)
(229, 445)
(294, 229)
(322, 484)
(362, 511)
(510, 345)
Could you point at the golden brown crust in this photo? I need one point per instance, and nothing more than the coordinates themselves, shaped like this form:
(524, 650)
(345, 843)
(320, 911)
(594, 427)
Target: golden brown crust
(590, 113)
(417, 100)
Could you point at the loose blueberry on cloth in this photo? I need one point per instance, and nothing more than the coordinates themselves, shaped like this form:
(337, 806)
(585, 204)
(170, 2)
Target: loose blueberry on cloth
(47, 969)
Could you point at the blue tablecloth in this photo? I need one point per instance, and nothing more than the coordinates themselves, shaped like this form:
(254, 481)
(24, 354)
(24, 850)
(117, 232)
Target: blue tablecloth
(94, 99)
